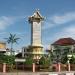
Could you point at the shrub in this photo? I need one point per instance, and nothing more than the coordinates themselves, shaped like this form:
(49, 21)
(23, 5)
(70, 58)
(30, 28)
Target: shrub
(29, 61)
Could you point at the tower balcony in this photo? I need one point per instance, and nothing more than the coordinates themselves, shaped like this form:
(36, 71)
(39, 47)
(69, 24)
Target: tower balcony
(33, 53)
(37, 53)
(37, 45)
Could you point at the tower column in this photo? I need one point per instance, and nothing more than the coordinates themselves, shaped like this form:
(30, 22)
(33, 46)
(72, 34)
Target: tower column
(36, 41)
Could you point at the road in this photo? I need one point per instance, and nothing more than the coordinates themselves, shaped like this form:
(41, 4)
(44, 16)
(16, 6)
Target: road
(40, 73)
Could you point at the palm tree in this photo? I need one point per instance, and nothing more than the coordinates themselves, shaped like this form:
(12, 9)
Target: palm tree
(11, 40)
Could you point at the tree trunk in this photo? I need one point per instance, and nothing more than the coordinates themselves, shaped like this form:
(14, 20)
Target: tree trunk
(11, 48)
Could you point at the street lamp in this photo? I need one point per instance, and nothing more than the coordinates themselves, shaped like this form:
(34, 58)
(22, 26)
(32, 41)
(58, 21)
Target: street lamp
(69, 57)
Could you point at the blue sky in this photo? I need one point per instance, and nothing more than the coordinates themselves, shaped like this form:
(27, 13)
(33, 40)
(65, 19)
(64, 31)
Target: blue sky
(59, 19)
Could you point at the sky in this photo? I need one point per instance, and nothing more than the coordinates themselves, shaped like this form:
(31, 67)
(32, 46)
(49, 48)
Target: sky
(59, 20)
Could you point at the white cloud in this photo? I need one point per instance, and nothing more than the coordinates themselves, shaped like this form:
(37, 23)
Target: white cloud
(70, 29)
(57, 20)
(5, 22)
(66, 32)
(61, 19)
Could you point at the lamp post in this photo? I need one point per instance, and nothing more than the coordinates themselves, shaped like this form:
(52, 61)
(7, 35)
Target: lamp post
(69, 57)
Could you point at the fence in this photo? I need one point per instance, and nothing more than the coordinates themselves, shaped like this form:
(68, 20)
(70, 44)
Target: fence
(1, 67)
(38, 68)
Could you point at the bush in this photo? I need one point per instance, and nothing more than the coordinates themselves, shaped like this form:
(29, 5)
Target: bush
(7, 59)
(29, 61)
(44, 62)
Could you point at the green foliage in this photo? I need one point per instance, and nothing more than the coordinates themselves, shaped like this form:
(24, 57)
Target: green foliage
(60, 53)
(44, 61)
(64, 59)
(2, 58)
(7, 59)
(11, 40)
(72, 60)
(29, 61)
(10, 59)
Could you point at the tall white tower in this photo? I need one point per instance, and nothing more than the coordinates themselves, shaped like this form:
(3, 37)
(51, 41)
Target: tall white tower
(36, 41)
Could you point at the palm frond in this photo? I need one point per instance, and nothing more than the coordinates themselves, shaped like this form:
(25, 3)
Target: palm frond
(12, 38)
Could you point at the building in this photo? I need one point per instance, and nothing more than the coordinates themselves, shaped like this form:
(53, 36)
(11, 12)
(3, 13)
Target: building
(62, 46)
(36, 41)
(26, 52)
(2, 47)
(8, 52)
(36, 48)
(64, 42)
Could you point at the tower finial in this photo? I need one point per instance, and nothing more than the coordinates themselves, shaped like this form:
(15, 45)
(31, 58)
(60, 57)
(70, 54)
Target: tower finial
(36, 17)
(37, 9)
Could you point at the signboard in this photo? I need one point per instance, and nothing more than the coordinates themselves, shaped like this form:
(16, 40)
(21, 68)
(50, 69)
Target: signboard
(20, 60)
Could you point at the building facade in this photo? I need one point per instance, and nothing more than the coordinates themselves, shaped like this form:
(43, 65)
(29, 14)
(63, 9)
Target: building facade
(2, 47)
(61, 48)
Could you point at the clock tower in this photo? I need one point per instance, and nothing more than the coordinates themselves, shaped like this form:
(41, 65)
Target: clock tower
(36, 41)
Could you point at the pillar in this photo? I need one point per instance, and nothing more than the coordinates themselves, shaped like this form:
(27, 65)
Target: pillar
(33, 67)
(4, 67)
(59, 67)
(68, 66)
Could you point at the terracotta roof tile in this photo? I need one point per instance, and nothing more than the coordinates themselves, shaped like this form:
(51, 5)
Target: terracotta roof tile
(64, 41)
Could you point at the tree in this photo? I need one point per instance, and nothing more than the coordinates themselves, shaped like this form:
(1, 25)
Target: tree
(44, 62)
(57, 54)
(29, 61)
(61, 53)
(7, 59)
(10, 60)
(64, 58)
(11, 40)
(72, 60)
(51, 57)
(2, 58)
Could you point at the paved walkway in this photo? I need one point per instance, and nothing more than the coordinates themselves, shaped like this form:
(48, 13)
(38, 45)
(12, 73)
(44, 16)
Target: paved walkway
(39, 73)
(24, 73)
